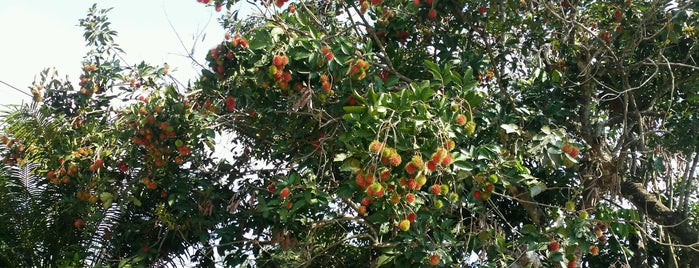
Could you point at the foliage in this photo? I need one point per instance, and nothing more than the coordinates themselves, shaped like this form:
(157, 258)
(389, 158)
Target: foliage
(376, 133)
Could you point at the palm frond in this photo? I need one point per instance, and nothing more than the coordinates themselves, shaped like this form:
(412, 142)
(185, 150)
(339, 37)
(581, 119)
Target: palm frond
(13, 221)
(29, 181)
(98, 244)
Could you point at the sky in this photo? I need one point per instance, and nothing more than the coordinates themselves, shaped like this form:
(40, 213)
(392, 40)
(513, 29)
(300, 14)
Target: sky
(45, 34)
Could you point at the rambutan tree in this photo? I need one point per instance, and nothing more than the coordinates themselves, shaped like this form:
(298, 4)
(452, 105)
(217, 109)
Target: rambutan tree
(377, 133)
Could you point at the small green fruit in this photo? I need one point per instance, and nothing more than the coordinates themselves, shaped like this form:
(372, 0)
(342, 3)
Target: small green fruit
(272, 71)
(444, 189)
(584, 215)
(570, 205)
(470, 128)
(421, 180)
(493, 178)
(438, 204)
(354, 163)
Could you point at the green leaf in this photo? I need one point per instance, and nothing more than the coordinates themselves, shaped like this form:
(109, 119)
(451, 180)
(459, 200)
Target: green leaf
(350, 117)
(355, 109)
(294, 178)
(529, 229)
(261, 40)
(276, 32)
(426, 92)
(372, 97)
(299, 53)
(510, 128)
(434, 70)
(556, 76)
(455, 77)
(340, 157)
(134, 200)
(546, 130)
(468, 83)
(556, 256)
(474, 98)
(620, 229)
(383, 259)
(537, 189)
(106, 196)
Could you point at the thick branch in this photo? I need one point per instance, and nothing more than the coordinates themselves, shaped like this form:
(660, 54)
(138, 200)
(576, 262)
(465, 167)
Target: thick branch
(677, 225)
(532, 208)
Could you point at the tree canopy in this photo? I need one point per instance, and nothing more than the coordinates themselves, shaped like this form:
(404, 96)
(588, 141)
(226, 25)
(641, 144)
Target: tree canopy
(376, 133)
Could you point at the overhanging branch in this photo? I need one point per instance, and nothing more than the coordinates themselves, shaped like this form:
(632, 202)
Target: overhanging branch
(677, 225)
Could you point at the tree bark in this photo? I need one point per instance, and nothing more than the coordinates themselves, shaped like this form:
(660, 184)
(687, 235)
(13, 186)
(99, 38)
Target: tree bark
(640, 256)
(674, 222)
(532, 208)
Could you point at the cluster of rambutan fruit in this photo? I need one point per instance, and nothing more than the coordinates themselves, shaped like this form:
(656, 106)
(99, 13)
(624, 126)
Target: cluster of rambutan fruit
(403, 189)
(155, 129)
(82, 160)
(599, 229)
(366, 3)
(86, 195)
(16, 151)
(223, 57)
(283, 194)
(276, 71)
(484, 187)
(358, 69)
(87, 84)
(571, 150)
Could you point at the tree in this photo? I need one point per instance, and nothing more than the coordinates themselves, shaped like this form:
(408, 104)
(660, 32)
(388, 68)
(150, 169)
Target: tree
(379, 133)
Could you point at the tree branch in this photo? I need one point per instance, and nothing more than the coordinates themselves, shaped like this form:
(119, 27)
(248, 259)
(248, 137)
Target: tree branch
(675, 223)
(688, 175)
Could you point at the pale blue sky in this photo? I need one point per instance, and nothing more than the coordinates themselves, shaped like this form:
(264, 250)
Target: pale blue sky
(40, 34)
